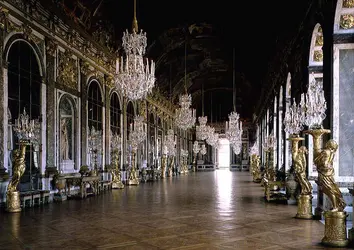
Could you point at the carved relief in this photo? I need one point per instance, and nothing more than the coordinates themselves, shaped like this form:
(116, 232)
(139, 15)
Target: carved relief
(143, 109)
(110, 81)
(51, 47)
(27, 30)
(348, 3)
(85, 68)
(4, 19)
(347, 21)
(67, 70)
(319, 38)
(318, 56)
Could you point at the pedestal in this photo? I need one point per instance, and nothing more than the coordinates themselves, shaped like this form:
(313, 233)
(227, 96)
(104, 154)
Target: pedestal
(304, 207)
(133, 182)
(59, 197)
(335, 229)
(13, 202)
(67, 166)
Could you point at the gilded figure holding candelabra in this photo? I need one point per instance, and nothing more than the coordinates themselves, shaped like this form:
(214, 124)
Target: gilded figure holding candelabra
(313, 106)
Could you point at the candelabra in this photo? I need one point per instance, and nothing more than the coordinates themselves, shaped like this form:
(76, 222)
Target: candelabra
(136, 136)
(184, 157)
(134, 77)
(268, 146)
(116, 145)
(185, 116)
(95, 147)
(213, 138)
(255, 161)
(171, 150)
(196, 149)
(293, 126)
(27, 131)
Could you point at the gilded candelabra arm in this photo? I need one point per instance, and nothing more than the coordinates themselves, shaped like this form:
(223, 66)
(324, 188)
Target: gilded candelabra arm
(324, 163)
(19, 167)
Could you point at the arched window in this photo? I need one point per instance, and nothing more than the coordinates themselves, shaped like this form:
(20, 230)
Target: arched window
(115, 114)
(343, 91)
(24, 92)
(95, 106)
(130, 116)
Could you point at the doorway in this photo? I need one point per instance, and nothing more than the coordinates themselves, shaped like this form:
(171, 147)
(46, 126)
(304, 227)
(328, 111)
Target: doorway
(224, 154)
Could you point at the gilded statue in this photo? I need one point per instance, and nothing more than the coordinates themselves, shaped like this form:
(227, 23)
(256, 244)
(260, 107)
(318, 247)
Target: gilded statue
(300, 170)
(324, 164)
(18, 168)
(171, 166)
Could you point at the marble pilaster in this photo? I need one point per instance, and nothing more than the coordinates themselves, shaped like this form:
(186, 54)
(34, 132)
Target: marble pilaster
(107, 123)
(50, 106)
(83, 120)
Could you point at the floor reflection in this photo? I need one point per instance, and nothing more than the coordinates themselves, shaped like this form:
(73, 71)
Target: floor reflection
(224, 190)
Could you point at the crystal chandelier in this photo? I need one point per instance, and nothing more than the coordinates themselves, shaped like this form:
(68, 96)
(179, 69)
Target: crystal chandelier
(202, 131)
(196, 147)
(115, 141)
(254, 150)
(233, 132)
(26, 129)
(171, 143)
(293, 119)
(135, 76)
(269, 143)
(213, 138)
(185, 116)
(313, 104)
(137, 132)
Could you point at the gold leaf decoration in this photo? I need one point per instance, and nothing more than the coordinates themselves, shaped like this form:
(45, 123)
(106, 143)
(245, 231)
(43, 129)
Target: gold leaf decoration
(347, 21)
(348, 3)
(67, 70)
(318, 56)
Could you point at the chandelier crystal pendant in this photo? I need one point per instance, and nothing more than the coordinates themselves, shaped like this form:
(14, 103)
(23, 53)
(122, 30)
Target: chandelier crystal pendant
(185, 116)
(135, 75)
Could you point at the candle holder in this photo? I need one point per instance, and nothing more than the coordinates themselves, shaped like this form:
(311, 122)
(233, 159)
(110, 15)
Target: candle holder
(95, 147)
(196, 149)
(115, 152)
(26, 131)
(136, 137)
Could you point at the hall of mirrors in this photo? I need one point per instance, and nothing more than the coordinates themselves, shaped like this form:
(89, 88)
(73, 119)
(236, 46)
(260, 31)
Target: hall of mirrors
(63, 86)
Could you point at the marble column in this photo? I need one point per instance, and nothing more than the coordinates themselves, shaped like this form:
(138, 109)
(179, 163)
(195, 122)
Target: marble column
(107, 128)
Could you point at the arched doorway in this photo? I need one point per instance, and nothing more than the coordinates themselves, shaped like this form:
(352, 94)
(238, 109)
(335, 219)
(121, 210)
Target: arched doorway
(224, 154)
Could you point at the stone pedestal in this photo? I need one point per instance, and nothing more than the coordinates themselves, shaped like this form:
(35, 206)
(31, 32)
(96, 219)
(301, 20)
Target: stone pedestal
(13, 202)
(335, 229)
(304, 207)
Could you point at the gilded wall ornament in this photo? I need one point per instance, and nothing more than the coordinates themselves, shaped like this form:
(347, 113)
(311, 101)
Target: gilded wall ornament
(319, 40)
(143, 108)
(318, 56)
(51, 47)
(110, 81)
(27, 30)
(67, 70)
(347, 21)
(348, 4)
(4, 18)
(85, 68)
